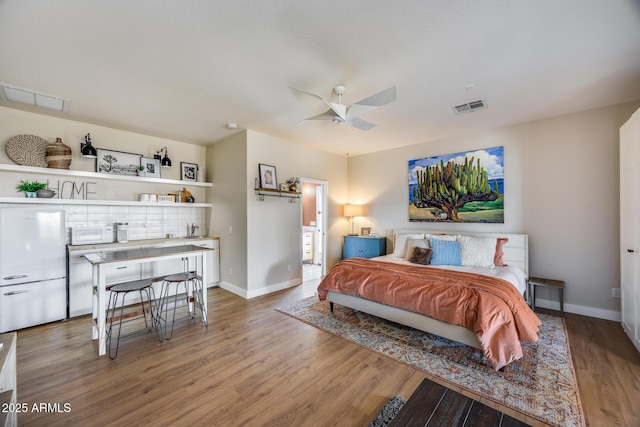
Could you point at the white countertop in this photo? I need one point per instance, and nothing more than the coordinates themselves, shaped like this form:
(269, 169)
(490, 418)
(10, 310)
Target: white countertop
(130, 243)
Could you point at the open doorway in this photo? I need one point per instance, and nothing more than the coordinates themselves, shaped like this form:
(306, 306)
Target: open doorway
(314, 225)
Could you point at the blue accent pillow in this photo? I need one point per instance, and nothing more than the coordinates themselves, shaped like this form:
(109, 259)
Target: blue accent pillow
(445, 252)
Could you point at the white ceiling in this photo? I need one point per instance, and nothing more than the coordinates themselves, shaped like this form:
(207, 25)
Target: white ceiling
(183, 69)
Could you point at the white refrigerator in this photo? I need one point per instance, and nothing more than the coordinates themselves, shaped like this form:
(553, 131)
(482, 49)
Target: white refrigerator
(33, 287)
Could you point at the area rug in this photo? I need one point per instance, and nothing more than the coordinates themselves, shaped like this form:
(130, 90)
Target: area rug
(541, 385)
(388, 412)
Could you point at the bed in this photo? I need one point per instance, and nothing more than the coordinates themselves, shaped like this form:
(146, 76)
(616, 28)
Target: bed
(362, 285)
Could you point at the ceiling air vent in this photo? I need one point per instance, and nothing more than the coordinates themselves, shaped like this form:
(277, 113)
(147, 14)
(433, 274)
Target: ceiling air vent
(470, 106)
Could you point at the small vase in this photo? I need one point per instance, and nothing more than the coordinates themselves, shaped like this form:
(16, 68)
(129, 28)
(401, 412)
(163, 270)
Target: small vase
(30, 194)
(58, 155)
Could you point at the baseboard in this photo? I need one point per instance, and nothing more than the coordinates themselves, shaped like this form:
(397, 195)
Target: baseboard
(274, 288)
(233, 289)
(259, 292)
(615, 316)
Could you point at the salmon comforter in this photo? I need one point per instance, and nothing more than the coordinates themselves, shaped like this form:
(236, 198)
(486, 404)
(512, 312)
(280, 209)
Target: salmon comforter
(491, 307)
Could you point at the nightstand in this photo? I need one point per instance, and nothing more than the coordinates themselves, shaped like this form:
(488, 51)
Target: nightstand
(364, 247)
(549, 283)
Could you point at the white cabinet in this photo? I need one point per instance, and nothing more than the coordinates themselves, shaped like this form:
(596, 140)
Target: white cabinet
(80, 276)
(630, 227)
(8, 382)
(80, 272)
(307, 246)
(212, 259)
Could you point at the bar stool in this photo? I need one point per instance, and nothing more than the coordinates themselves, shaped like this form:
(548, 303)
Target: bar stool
(122, 289)
(193, 295)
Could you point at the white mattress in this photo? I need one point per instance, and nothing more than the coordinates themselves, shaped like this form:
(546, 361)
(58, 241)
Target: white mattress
(511, 274)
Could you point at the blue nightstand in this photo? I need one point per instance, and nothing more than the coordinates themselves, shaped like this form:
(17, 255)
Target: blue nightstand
(364, 247)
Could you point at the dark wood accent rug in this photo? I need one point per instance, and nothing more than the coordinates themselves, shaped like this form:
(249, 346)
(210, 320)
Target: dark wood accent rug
(435, 405)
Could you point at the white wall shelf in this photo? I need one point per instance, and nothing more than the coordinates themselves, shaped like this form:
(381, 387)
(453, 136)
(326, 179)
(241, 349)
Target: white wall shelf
(96, 175)
(43, 201)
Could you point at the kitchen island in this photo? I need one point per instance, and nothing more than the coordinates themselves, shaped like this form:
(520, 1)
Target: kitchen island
(103, 262)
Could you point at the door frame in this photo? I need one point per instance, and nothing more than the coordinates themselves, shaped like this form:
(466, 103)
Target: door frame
(324, 203)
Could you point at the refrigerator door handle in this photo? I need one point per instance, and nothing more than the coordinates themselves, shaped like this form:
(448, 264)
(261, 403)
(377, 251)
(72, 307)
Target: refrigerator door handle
(19, 276)
(16, 292)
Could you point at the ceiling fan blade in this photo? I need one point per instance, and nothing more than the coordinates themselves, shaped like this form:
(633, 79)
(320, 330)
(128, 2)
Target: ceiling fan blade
(310, 93)
(327, 115)
(338, 109)
(359, 124)
(371, 103)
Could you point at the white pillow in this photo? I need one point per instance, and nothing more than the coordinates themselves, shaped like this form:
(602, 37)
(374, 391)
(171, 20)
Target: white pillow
(478, 251)
(415, 243)
(400, 243)
(446, 237)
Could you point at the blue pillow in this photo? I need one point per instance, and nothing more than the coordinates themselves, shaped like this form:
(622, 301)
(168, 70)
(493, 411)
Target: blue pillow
(445, 252)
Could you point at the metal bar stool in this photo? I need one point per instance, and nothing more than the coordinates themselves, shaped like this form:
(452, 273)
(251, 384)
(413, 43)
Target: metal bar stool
(193, 296)
(122, 289)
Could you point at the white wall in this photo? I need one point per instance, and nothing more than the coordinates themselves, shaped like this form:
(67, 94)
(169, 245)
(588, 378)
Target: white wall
(18, 122)
(227, 170)
(274, 225)
(263, 253)
(561, 188)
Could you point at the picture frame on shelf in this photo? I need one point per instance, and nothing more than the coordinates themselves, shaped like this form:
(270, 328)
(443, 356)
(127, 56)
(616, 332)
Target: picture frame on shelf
(151, 167)
(268, 176)
(188, 171)
(284, 186)
(365, 231)
(117, 162)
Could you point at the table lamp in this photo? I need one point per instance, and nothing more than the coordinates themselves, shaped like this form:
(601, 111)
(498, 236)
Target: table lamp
(352, 211)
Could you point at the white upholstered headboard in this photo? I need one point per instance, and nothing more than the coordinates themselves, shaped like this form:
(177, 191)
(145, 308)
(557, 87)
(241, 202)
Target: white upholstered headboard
(516, 250)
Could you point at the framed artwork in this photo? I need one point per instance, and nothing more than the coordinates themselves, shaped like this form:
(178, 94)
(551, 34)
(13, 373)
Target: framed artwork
(268, 176)
(151, 167)
(189, 171)
(117, 162)
(284, 186)
(459, 187)
(365, 231)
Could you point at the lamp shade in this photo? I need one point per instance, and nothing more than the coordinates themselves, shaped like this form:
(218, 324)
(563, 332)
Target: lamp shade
(352, 210)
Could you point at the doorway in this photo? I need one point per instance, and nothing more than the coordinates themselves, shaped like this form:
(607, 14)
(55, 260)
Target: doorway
(313, 231)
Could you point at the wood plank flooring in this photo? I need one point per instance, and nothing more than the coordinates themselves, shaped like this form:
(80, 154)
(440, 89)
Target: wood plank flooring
(254, 366)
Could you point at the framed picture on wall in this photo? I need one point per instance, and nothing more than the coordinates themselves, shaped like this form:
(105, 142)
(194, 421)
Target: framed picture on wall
(151, 167)
(268, 176)
(117, 162)
(189, 171)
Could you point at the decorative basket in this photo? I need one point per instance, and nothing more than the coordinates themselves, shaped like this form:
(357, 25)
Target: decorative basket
(58, 155)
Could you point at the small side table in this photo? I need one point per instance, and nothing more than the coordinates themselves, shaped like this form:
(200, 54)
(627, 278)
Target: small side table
(549, 283)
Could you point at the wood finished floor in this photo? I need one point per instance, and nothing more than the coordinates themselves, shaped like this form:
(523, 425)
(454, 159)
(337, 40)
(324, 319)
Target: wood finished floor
(254, 366)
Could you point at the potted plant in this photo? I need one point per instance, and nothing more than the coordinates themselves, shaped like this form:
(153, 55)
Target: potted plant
(141, 171)
(30, 188)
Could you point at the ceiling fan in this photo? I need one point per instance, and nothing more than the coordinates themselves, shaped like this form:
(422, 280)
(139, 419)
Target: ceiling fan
(341, 114)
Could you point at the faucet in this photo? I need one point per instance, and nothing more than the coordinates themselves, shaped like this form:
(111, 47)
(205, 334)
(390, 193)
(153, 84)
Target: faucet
(194, 227)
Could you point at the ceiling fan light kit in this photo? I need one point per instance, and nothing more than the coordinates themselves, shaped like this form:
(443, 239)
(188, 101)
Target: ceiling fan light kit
(341, 114)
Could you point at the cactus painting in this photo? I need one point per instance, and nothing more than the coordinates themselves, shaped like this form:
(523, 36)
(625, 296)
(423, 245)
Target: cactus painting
(459, 187)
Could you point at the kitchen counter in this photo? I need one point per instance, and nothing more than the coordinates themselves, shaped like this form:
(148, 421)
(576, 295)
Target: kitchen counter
(79, 271)
(94, 246)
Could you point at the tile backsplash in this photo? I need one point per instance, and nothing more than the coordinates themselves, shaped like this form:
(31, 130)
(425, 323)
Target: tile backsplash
(145, 222)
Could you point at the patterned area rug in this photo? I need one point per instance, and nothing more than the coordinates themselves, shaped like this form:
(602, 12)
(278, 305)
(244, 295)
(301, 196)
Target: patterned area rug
(541, 385)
